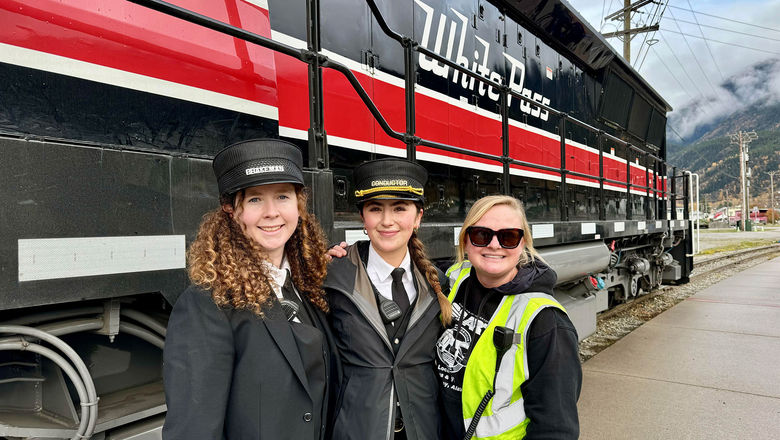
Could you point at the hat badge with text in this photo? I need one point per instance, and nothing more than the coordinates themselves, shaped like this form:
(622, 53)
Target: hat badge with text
(390, 178)
(257, 162)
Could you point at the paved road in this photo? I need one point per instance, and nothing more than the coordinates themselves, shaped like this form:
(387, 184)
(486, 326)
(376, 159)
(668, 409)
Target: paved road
(719, 237)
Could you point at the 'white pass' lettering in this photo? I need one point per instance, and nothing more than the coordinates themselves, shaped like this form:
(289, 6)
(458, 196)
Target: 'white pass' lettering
(479, 64)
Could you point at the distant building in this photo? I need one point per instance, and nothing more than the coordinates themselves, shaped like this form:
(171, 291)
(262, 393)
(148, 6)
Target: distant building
(756, 215)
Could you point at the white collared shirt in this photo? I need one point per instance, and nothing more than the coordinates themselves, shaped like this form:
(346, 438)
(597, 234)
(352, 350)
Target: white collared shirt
(379, 272)
(278, 277)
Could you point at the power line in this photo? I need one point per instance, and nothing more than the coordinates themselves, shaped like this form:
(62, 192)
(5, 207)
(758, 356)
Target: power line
(675, 131)
(706, 43)
(683, 68)
(723, 29)
(602, 15)
(726, 19)
(653, 38)
(644, 37)
(694, 58)
(675, 78)
(721, 42)
(626, 15)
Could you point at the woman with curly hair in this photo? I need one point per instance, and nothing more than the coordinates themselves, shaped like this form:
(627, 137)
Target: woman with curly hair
(248, 352)
(387, 309)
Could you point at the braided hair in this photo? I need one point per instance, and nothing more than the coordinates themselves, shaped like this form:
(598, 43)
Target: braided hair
(420, 259)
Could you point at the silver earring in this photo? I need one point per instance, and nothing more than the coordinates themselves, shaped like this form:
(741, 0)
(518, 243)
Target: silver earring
(365, 232)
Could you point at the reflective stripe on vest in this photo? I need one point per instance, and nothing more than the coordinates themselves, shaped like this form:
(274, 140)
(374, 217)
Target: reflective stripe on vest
(504, 417)
(457, 273)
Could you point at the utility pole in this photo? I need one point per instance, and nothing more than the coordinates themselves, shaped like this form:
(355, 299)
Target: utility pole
(748, 176)
(772, 194)
(627, 33)
(626, 27)
(743, 138)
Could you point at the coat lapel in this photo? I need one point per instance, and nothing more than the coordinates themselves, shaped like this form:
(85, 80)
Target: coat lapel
(363, 297)
(281, 332)
(424, 310)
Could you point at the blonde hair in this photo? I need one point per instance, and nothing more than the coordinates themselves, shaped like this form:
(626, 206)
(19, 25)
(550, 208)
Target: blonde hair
(232, 266)
(484, 205)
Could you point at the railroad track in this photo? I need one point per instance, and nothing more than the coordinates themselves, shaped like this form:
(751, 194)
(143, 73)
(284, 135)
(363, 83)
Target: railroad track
(757, 252)
(745, 255)
(737, 253)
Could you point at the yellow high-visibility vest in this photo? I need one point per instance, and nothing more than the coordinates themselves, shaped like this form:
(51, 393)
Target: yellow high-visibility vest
(504, 417)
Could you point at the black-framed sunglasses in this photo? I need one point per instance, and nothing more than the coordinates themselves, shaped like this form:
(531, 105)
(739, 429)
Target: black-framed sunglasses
(481, 236)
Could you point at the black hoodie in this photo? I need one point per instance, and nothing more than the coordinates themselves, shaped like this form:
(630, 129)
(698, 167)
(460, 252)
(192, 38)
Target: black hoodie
(555, 374)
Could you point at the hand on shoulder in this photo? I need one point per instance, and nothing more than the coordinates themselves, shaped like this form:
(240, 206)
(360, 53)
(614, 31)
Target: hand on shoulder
(337, 251)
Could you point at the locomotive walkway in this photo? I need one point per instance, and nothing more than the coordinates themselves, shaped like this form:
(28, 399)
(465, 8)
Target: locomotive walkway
(707, 368)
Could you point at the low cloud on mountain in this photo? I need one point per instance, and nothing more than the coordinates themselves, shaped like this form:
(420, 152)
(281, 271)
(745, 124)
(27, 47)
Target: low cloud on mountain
(752, 90)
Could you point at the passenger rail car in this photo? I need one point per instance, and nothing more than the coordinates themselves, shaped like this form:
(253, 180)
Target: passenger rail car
(111, 110)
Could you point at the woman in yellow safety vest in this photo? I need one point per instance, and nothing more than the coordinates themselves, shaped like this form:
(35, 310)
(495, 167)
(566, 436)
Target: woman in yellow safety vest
(526, 383)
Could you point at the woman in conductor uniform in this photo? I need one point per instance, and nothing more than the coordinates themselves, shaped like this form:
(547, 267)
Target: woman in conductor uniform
(386, 301)
(248, 354)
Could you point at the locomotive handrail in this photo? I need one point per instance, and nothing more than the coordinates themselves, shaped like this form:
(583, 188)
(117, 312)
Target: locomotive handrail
(461, 150)
(505, 90)
(404, 40)
(364, 97)
(383, 24)
(219, 26)
(657, 160)
(313, 57)
(307, 56)
(589, 127)
(301, 54)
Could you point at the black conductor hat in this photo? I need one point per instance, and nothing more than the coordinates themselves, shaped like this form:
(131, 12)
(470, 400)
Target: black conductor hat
(257, 162)
(391, 178)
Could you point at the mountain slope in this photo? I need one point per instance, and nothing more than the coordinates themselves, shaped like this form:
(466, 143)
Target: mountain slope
(747, 101)
(750, 101)
(716, 162)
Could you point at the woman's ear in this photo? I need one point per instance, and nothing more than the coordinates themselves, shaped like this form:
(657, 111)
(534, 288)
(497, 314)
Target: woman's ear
(419, 219)
(228, 209)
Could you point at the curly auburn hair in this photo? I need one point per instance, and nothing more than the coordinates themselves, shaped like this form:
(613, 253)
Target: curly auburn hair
(232, 266)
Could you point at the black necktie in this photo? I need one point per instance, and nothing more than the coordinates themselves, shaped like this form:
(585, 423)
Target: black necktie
(288, 293)
(397, 288)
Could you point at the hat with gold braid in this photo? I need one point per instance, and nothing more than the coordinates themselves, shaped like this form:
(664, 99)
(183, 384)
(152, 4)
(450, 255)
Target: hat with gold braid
(397, 179)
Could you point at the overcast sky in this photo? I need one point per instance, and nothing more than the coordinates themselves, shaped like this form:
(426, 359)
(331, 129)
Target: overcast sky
(681, 77)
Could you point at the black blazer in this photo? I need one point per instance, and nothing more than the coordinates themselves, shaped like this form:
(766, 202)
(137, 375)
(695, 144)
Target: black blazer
(230, 374)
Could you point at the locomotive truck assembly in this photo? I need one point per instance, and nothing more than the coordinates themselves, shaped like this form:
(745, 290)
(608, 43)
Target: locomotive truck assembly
(111, 111)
